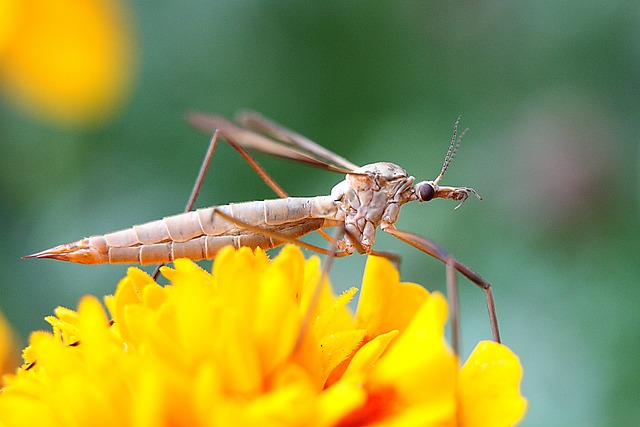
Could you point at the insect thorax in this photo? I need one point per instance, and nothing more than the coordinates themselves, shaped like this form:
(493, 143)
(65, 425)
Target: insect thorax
(370, 197)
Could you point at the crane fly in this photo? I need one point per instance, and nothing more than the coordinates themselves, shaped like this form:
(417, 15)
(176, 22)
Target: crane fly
(368, 198)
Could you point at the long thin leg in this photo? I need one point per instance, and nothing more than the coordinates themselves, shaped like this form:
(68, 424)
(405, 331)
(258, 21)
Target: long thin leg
(430, 248)
(204, 168)
(452, 294)
(257, 167)
(262, 173)
(394, 258)
(280, 237)
(328, 261)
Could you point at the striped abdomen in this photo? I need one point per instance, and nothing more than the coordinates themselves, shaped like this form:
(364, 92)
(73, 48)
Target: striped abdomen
(200, 234)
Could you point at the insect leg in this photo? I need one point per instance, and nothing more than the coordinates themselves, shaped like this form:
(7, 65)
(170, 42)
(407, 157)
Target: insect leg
(430, 248)
(280, 237)
(257, 167)
(324, 273)
(394, 258)
(203, 172)
(452, 294)
(262, 173)
(206, 162)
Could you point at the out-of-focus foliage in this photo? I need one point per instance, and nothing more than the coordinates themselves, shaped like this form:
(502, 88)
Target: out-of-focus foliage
(548, 90)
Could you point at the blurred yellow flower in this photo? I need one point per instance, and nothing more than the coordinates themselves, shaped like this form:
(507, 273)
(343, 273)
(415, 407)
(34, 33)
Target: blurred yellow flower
(69, 61)
(8, 348)
(232, 348)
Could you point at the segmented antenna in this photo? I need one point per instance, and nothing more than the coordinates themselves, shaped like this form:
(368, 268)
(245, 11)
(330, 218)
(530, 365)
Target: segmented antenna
(453, 148)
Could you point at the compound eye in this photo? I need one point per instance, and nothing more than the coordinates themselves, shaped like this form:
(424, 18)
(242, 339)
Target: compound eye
(426, 192)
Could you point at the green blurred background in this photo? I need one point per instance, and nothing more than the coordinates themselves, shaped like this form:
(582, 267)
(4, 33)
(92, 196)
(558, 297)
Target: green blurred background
(548, 89)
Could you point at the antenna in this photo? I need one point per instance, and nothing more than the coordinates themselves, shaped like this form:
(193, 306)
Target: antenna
(453, 148)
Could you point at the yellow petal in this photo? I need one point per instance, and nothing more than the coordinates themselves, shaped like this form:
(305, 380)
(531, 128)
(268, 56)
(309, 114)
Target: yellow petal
(368, 355)
(419, 366)
(191, 310)
(149, 408)
(290, 261)
(128, 293)
(337, 347)
(489, 387)
(38, 342)
(335, 316)
(338, 401)
(236, 275)
(386, 304)
(277, 320)
(144, 333)
(186, 272)
(65, 324)
(316, 290)
(93, 324)
(284, 406)
(17, 409)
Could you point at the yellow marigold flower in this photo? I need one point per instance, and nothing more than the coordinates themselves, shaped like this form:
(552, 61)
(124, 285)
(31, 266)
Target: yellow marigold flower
(234, 347)
(66, 60)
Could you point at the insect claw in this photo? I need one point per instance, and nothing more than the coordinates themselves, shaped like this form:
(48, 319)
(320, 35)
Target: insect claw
(463, 193)
(475, 193)
(462, 200)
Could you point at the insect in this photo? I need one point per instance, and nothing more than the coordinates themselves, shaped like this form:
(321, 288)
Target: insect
(368, 198)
